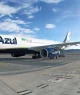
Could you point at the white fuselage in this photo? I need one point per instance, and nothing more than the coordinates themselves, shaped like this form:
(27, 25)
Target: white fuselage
(8, 42)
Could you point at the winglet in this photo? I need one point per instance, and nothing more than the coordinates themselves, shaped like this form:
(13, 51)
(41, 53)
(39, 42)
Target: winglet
(67, 38)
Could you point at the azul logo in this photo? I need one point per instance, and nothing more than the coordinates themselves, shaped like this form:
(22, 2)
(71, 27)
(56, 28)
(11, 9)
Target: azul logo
(8, 40)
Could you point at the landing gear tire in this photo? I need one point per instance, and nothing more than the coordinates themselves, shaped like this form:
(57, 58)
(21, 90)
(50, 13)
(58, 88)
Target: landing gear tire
(56, 57)
(51, 57)
(35, 56)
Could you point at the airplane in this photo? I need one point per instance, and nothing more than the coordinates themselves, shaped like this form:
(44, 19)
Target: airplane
(20, 46)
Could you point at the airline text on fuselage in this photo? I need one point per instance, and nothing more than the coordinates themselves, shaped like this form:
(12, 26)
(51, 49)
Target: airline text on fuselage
(8, 40)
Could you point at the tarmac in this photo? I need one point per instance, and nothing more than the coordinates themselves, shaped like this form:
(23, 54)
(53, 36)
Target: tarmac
(26, 76)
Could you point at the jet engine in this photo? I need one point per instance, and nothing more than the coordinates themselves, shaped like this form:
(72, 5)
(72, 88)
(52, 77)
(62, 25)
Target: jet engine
(49, 53)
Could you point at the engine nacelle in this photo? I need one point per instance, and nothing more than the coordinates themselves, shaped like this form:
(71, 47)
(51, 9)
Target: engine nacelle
(49, 53)
(17, 54)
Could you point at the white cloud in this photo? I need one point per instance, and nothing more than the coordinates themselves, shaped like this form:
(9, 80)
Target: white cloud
(52, 1)
(18, 21)
(21, 34)
(31, 10)
(15, 21)
(55, 10)
(31, 16)
(27, 9)
(50, 26)
(24, 1)
(36, 29)
(11, 26)
(7, 10)
(67, 14)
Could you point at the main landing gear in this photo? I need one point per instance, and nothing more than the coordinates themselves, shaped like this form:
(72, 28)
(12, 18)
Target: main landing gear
(36, 56)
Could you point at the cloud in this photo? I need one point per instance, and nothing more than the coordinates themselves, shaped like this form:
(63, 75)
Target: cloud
(36, 29)
(66, 14)
(21, 34)
(15, 21)
(12, 26)
(55, 10)
(28, 9)
(30, 17)
(31, 10)
(50, 26)
(18, 21)
(52, 1)
(7, 10)
(23, 1)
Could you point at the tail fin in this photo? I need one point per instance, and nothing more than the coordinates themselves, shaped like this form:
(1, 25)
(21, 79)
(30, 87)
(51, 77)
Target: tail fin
(67, 38)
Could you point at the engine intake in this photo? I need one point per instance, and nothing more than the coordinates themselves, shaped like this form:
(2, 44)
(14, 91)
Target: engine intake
(49, 53)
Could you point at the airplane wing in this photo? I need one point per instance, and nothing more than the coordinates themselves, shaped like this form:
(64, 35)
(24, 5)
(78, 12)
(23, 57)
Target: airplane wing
(59, 46)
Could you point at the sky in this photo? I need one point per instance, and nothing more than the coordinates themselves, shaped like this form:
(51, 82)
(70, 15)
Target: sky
(43, 19)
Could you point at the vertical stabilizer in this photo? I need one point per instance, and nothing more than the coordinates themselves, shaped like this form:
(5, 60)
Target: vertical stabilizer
(67, 38)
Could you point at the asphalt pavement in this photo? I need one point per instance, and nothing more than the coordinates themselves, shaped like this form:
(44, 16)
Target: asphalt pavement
(26, 76)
